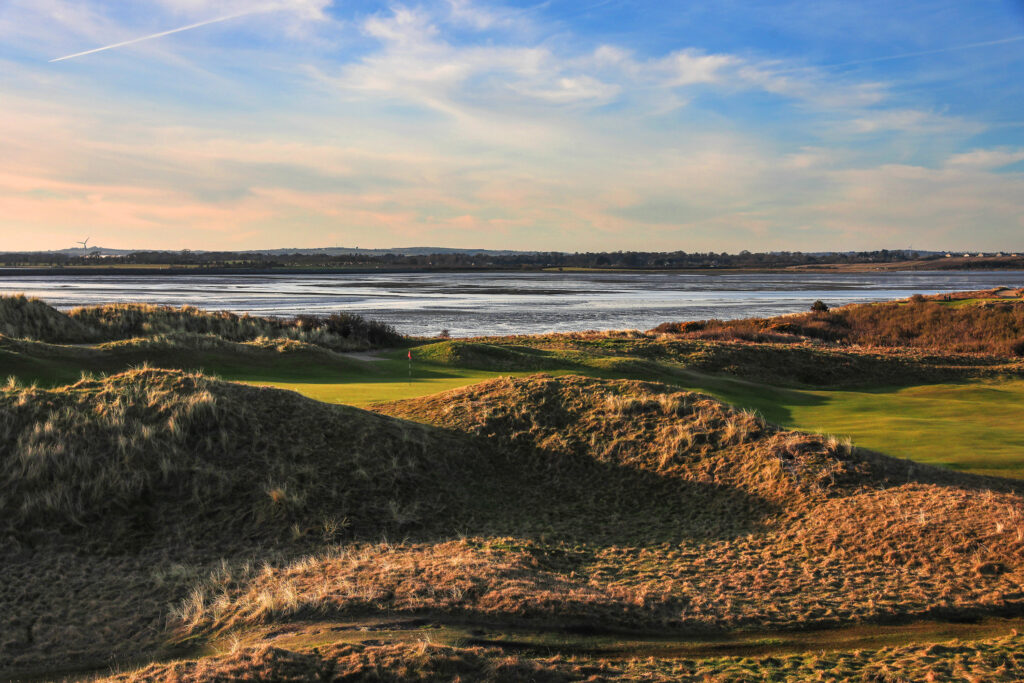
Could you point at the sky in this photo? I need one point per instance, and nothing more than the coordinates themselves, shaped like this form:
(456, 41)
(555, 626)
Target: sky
(570, 125)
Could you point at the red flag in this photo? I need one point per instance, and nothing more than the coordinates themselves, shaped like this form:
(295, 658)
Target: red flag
(410, 354)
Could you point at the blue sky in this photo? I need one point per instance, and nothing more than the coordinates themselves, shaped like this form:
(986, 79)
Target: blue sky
(599, 125)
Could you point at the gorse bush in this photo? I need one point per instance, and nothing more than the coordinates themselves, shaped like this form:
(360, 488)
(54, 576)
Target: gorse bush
(33, 319)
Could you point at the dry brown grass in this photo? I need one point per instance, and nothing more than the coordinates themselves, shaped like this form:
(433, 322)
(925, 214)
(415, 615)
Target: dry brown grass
(340, 331)
(994, 325)
(991, 660)
(423, 662)
(128, 458)
(793, 529)
(548, 501)
(23, 318)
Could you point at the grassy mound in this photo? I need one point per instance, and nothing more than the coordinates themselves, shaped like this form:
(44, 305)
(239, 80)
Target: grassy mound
(642, 426)
(341, 331)
(651, 508)
(153, 452)
(55, 365)
(991, 660)
(563, 502)
(21, 317)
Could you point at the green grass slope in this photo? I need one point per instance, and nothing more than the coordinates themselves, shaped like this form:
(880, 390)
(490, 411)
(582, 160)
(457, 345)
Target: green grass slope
(31, 361)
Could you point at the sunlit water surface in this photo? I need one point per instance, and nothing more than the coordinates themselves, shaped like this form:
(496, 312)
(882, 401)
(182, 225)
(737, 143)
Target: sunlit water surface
(507, 303)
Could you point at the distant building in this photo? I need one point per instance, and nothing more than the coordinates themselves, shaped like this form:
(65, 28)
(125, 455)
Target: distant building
(967, 255)
(949, 256)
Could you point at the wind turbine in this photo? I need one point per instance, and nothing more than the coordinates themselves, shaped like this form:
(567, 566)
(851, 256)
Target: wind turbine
(85, 244)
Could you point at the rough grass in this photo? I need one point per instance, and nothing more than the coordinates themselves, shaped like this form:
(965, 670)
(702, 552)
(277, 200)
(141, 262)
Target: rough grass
(34, 319)
(153, 451)
(527, 502)
(557, 502)
(341, 331)
(990, 323)
(970, 424)
(741, 525)
(23, 318)
(990, 660)
(782, 364)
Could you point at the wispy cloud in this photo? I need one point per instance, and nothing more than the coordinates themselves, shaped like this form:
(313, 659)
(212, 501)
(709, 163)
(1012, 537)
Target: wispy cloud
(470, 122)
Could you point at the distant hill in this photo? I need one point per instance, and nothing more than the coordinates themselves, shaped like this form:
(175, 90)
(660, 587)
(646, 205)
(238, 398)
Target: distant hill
(325, 251)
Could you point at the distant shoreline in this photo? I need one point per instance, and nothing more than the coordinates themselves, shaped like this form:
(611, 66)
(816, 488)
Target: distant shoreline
(161, 270)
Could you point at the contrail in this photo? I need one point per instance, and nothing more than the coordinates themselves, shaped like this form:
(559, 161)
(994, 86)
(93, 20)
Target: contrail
(905, 55)
(954, 48)
(164, 33)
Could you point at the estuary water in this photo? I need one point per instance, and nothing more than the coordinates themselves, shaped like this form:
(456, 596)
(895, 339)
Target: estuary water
(469, 304)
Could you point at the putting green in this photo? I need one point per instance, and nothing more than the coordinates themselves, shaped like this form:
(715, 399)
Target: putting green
(976, 426)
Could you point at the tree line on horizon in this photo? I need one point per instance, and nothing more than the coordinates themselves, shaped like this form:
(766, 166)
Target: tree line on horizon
(520, 260)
